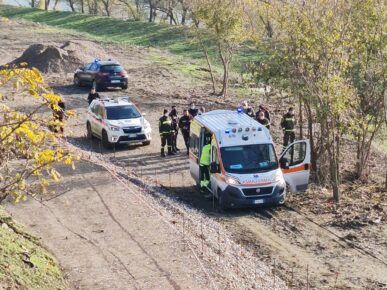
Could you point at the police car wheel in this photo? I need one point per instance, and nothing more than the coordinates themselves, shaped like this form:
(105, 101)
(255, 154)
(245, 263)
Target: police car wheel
(105, 141)
(77, 81)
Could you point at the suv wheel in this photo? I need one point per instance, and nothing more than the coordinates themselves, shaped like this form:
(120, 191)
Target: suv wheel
(77, 81)
(125, 86)
(89, 132)
(105, 140)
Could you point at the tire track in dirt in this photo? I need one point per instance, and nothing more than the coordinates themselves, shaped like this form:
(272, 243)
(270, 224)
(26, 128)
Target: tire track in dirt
(89, 241)
(163, 271)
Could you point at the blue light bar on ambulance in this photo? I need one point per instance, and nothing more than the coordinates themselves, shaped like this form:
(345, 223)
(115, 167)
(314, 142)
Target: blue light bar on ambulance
(228, 131)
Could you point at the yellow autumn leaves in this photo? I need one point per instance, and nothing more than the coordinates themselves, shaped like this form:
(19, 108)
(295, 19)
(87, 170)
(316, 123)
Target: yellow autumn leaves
(29, 150)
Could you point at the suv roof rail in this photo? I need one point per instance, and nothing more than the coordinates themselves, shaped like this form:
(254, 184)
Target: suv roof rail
(124, 99)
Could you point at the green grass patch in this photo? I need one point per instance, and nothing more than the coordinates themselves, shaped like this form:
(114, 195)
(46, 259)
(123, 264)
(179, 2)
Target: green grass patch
(176, 39)
(24, 263)
(179, 40)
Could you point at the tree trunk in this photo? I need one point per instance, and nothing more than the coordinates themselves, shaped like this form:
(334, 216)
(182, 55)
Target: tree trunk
(206, 55)
(150, 12)
(42, 4)
(183, 16)
(46, 4)
(71, 3)
(226, 65)
(82, 6)
(334, 156)
(313, 150)
(55, 5)
(301, 121)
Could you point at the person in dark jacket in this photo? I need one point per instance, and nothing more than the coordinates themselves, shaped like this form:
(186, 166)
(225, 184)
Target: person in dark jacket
(174, 133)
(173, 112)
(184, 125)
(263, 120)
(248, 110)
(165, 129)
(288, 124)
(265, 111)
(193, 111)
(92, 95)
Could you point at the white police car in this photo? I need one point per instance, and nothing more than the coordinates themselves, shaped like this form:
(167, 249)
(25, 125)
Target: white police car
(117, 121)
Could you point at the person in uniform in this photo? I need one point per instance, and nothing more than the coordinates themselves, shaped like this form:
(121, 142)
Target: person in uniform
(288, 124)
(184, 125)
(174, 132)
(165, 128)
(173, 112)
(193, 111)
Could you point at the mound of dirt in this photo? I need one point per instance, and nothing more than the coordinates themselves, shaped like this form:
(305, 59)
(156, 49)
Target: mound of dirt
(60, 59)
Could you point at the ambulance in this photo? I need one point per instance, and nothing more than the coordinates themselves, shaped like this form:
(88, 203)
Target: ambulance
(245, 170)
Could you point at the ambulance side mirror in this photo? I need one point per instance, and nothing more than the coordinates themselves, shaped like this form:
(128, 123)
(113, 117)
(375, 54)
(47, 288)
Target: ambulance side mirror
(214, 168)
(284, 163)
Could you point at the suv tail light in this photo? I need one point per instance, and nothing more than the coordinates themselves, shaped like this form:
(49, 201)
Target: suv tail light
(123, 73)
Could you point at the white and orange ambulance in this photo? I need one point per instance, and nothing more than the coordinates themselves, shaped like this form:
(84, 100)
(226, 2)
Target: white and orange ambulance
(245, 170)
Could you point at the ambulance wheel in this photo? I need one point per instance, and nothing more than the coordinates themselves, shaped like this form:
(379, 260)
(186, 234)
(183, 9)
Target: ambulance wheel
(282, 200)
(221, 205)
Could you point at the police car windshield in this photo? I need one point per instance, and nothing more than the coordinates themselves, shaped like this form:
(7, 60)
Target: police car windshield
(249, 158)
(122, 112)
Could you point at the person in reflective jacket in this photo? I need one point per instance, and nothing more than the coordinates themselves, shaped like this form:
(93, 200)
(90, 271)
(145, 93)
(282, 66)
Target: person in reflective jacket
(205, 160)
(165, 129)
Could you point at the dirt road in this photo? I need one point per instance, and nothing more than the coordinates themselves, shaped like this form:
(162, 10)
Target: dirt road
(301, 247)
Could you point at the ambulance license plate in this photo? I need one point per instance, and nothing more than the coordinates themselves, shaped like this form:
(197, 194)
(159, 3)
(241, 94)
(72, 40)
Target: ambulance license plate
(258, 201)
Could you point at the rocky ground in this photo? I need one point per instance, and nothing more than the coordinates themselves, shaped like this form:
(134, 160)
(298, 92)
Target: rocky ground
(309, 241)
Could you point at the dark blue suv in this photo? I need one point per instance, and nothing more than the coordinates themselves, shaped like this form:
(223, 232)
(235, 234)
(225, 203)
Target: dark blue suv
(101, 75)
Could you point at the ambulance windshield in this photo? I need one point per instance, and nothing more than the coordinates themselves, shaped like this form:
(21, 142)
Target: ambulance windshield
(249, 158)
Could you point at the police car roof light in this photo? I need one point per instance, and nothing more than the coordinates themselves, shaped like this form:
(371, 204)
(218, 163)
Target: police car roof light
(239, 110)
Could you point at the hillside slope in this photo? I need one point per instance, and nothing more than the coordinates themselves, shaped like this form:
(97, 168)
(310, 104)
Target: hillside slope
(24, 263)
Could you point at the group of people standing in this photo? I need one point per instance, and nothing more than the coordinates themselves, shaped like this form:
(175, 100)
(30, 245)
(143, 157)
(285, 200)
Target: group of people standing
(288, 121)
(169, 125)
(262, 115)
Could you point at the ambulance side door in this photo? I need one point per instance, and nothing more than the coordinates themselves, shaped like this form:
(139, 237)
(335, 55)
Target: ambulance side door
(195, 149)
(295, 165)
(214, 167)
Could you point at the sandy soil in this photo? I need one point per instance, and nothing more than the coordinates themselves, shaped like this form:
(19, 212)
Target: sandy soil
(302, 246)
